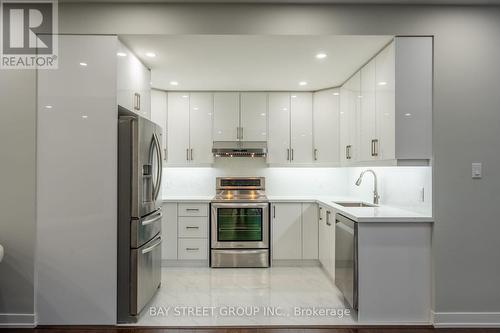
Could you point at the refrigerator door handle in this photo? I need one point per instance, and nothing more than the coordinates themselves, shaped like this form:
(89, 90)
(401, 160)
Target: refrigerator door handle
(156, 187)
(152, 247)
(157, 217)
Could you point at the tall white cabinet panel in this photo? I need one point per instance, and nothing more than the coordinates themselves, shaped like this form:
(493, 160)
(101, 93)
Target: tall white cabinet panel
(326, 105)
(178, 128)
(200, 128)
(286, 231)
(367, 116)
(301, 128)
(279, 128)
(309, 231)
(76, 240)
(385, 92)
(133, 82)
(253, 116)
(159, 116)
(226, 116)
(322, 238)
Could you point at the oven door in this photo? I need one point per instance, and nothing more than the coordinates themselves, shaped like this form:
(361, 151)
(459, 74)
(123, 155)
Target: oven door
(240, 225)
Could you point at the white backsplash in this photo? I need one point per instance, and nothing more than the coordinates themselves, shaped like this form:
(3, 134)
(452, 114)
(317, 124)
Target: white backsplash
(398, 186)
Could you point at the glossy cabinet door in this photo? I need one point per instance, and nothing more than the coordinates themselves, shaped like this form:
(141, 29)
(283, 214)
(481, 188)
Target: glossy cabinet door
(301, 128)
(178, 128)
(253, 120)
(309, 231)
(286, 231)
(385, 65)
(226, 116)
(279, 128)
(133, 82)
(367, 115)
(169, 227)
(326, 105)
(322, 238)
(349, 109)
(330, 230)
(159, 116)
(200, 128)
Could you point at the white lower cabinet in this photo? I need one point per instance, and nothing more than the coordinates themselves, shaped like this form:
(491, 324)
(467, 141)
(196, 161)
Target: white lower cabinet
(294, 231)
(326, 239)
(185, 231)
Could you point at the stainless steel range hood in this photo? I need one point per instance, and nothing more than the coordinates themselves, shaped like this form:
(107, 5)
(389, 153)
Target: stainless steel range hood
(239, 148)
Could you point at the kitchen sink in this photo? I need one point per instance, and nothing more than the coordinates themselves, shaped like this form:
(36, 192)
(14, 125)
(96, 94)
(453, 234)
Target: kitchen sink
(355, 204)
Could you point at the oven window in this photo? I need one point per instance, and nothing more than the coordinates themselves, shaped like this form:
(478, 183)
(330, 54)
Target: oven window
(239, 224)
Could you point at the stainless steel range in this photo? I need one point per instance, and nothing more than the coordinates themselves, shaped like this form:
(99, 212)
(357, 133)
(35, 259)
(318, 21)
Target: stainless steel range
(240, 223)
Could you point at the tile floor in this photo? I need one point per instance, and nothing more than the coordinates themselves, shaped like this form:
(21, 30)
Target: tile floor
(219, 297)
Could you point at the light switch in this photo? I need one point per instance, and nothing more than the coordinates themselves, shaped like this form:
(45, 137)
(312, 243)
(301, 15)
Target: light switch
(477, 170)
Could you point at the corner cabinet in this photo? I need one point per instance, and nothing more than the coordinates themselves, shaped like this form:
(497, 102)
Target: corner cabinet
(133, 82)
(189, 123)
(393, 113)
(290, 140)
(326, 104)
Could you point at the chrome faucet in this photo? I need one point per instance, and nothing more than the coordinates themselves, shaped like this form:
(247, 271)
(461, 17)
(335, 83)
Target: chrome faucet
(376, 196)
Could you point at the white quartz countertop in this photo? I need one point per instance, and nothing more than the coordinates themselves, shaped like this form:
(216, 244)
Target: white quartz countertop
(381, 213)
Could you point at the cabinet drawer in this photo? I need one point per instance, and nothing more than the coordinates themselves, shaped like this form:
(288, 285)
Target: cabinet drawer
(193, 209)
(193, 248)
(193, 226)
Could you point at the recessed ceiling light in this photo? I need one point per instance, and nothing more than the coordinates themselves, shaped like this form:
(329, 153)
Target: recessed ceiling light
(84, 64)
(85, 117)
(284, 109)
(195, 108)
(382, 83)
(335, 94)
(185, 96)
(408, 114)
(263, 114)
(151, 54)
(294, 96)
(302, 83)
(121, 54)
(174, 83)
(321, 55)
(360, 96)
(48, 106)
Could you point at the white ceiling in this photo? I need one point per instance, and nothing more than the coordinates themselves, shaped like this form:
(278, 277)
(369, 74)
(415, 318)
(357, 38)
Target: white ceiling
(251, 62)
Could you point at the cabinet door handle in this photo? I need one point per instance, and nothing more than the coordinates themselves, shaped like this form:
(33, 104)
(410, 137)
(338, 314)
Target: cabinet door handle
(192, 209)
(191, 154)
(315, 154)
(320, 209)
(137, 101)
(348, 152)
(375, 147)
(165, 154)
(274, 211)
(328, 218)
(292, 154)
(288, 154)
(241, 133)
(192, 248)
(187, 154)
(192, 227)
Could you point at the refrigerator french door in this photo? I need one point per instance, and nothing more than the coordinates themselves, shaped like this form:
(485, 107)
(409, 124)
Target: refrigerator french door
(139, 213)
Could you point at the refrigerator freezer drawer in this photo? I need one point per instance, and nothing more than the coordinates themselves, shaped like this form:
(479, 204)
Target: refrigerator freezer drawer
(145, 229)
(145, 274)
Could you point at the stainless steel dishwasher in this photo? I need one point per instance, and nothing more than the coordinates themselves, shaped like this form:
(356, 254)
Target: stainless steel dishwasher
(346, 258)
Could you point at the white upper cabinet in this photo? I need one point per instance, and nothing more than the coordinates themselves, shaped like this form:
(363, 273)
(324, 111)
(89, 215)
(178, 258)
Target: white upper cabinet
(350, 97)
(394, 110)
(367, 115)
(326, 104)
(253, 121)
(200, 128)
(133, 82)
(301, 128)
(159, 116)
(178, 128)
(278, 143)
(385, 103)
(226, 121)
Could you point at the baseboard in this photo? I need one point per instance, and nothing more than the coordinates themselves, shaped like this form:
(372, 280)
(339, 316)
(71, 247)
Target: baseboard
(466, 319)
(17, 320)
(295, 263)
(184, 263)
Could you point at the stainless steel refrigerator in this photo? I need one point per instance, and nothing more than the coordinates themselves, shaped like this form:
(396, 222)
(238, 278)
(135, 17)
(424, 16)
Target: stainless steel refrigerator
(139, 213)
